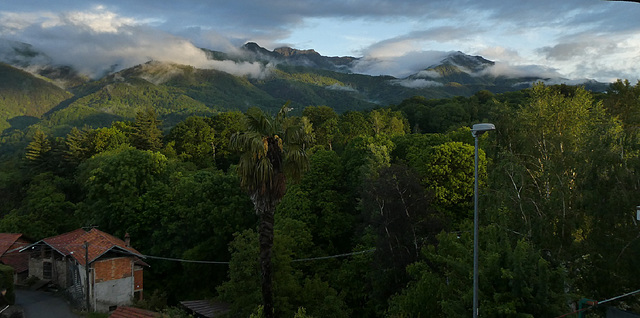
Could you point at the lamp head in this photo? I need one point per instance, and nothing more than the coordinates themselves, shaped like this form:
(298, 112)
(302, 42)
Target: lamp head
(479, 129)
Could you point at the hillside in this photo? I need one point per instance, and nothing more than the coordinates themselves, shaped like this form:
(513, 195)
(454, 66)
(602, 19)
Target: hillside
(25, 97)
(176, 91)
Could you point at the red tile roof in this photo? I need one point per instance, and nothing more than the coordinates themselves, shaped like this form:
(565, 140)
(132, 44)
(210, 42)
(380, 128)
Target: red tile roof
(9, 253)
(19, 261)
(7, 240)
(73, 243)
(131, 312)
(62, 241)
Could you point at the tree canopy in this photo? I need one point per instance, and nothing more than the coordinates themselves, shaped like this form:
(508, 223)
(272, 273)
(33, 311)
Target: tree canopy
(357, 213)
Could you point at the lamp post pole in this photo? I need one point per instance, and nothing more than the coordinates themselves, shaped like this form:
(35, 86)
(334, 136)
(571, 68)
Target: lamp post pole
(476, 131)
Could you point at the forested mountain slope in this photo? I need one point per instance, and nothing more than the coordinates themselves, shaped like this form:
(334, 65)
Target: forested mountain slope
(303, 77)
(25, 97)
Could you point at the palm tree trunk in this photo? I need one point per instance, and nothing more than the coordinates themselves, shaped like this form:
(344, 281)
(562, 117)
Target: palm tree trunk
(266, 244)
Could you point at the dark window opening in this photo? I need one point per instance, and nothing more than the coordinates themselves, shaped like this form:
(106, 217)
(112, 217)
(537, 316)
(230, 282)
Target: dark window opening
(47, 252)
(47, 270)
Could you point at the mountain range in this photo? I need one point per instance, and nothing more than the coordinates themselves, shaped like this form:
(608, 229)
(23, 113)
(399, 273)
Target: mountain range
(34, 89)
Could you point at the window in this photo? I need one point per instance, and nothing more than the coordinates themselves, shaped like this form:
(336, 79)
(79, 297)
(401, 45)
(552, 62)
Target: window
(47, 252)
(46, 270)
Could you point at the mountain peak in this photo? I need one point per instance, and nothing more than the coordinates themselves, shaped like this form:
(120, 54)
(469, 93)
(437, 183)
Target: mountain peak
(287, 51)
(254, 47)
(309, 58)
(473, 63)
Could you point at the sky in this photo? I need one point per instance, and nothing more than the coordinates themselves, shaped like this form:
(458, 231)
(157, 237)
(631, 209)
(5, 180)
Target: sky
(575, 39)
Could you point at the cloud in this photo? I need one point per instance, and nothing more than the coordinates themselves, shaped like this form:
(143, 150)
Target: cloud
(500, 53)
(515, 71)
(428, 73)
(416, 40)
(596, 55)
(99, 21)
(398, 65)
(573, 36)
(339, 87)
(593, 47)
(405, 55)
(100, 41)
(416, 83)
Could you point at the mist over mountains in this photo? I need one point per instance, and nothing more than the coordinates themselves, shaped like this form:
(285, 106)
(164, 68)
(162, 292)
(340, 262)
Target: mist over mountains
(37, 87)
(254, 61)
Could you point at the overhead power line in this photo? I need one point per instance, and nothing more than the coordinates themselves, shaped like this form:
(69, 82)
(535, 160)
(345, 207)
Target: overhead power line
(332, 256)
(226, 263)
(183, 260)
(600, 303)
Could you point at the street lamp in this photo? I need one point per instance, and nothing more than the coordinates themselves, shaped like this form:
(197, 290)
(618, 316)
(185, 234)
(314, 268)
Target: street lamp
(476, 131)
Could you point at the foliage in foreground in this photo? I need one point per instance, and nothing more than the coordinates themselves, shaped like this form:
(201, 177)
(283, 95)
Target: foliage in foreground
(559, 183)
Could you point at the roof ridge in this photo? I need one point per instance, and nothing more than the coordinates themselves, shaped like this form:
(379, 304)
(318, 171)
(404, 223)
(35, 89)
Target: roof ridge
(73, 243)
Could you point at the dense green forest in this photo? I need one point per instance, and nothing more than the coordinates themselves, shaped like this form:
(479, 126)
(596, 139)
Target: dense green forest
(380, 224)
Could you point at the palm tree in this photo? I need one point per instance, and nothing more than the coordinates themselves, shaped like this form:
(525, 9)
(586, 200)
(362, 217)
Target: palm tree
(271, 151)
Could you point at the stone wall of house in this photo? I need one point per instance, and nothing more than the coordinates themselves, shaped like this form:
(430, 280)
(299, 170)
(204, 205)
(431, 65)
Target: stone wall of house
(50, 266)
(35, 267)
(59, 275)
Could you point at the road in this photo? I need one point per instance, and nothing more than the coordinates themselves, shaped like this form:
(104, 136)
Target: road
(37, 304)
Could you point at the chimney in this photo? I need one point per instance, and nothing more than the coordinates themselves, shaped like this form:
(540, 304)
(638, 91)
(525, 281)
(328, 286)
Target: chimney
(127, 240)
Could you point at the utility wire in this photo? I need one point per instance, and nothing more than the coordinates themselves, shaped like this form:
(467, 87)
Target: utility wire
(295, 260)
(600, 303)
(332, 256)
(623, 295)
(183, 260)
(226, 263)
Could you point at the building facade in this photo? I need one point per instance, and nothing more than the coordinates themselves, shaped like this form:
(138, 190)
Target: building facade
(93, 267)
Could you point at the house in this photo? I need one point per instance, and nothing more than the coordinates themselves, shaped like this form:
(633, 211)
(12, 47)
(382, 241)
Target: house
(10, 245)
(112, 268)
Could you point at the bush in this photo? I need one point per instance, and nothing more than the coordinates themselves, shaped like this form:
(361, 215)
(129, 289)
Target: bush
(6, 281)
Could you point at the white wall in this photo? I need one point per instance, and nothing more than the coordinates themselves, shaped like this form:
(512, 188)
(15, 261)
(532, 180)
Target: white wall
(112, 292)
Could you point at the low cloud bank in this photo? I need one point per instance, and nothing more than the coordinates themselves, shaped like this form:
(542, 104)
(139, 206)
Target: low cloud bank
(416, 83)
(517, 71)
(100, 43)
(399, 66)
(338, 87)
